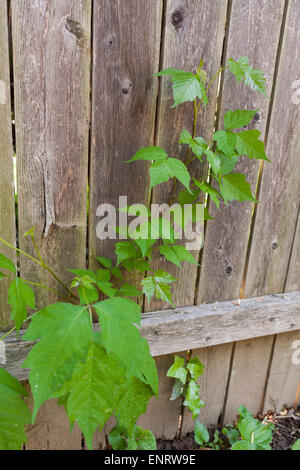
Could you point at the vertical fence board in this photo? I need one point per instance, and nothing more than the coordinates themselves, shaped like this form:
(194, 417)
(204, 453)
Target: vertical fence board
(278, 209)
(7, 210)
(193, 30)
(125, 53)
(51, 42)
(126, 50)
(52, 74)
(227, 236)
(293, 277)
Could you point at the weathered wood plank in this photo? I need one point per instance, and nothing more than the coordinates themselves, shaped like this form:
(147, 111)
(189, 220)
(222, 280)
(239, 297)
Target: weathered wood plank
(277, 213)
(284, 374)
(51, 42)
(126, 46)
(51, 430)
(226, 238)
(201, 326)
(293, 277)
(7, 209)
(193, 30)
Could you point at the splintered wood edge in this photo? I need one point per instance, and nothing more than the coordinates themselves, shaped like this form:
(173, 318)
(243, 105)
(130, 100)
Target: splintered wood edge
(172, 331)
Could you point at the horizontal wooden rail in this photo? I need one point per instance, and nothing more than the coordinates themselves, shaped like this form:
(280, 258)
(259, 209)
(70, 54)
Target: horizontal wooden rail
(171, 331)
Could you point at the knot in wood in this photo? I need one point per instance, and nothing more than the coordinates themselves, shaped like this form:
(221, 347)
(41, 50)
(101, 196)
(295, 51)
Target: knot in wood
(228, 270)
(177, 17)
(74, 27)
(274, 246)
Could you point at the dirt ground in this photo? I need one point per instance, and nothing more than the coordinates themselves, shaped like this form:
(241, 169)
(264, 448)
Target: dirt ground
(287, 424)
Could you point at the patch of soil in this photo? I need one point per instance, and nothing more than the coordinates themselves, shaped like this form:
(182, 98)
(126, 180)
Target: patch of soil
(287, 431)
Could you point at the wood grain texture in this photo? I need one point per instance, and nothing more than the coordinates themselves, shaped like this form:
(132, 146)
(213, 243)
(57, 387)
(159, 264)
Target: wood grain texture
(193, 29)
(293, 276)
(7, 209)
(278, 209)
(51, 430)
(284, 374)
(168, 331)
(51, 42)
(274, 237)
(227, 236)
(125, 53)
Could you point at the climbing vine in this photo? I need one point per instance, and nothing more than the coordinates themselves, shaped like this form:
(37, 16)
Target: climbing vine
(109, 372)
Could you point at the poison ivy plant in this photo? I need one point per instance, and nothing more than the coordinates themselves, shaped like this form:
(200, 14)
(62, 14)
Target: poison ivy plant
(111, 373)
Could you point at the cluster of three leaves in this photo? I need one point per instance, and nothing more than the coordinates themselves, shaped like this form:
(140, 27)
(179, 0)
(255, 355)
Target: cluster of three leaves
(94, 374)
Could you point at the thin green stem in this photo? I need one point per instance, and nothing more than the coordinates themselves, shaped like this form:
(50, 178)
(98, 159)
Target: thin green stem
(14, 328)
(215, 76)
(20, 251)
(40, 285)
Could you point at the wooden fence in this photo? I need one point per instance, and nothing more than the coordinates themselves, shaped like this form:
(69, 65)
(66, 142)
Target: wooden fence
(77, 99)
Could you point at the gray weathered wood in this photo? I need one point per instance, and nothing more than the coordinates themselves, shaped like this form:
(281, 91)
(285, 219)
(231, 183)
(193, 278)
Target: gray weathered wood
(51, 43)
(126, 46)
(193, 30)
(226, 238)
(278, 210)
(170, 331)
(7, 210)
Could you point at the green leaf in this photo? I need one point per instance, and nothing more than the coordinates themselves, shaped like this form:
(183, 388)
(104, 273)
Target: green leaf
(116, 438)
(228, 164)
(186, 86)
(226, 141)
(66, 335)
(94, 391)
(126, 250)
(161, 171)
(20, 297)
(197, 144)
(263, 437)
(243, 445)
(148, 285)
(163, 276)
(252, 77)
(248, 143)
(195, 367)
(214, 161)
(134, 397)
(239, 118)
(201, 434)
(296, 445)
(140, 265)
(141, 439)
(118, 317)
(178, 370)
(129, 290)
(14, 413)
(193, 401)
(163, 292)
(186, 197)
(238, 67)
(247, 427)
(151, 153)
(176, 254)
(206, 188)
(177, 390)
(145, 244)
(106, 262)
(6, 263)
(236, 187)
